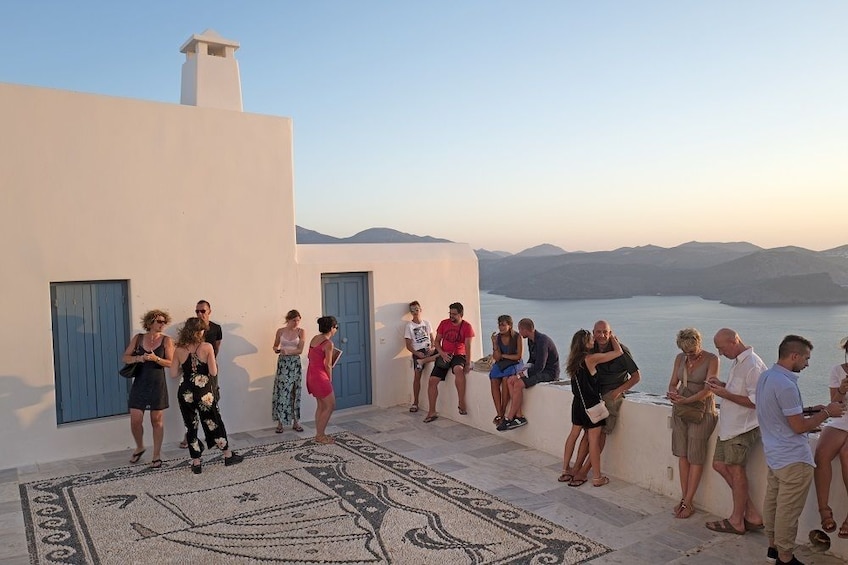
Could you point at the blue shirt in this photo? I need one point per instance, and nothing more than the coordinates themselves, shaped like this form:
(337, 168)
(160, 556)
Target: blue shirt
(777, 398)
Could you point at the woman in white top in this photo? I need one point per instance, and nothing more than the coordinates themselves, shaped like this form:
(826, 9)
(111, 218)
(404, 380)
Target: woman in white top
(833, 442)
(285, 402)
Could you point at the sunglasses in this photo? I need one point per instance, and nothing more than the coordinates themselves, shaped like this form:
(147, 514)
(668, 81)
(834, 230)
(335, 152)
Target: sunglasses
(159, 322)
(200, 311)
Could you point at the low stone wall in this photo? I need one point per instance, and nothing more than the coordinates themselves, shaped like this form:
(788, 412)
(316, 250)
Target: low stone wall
(639, 450)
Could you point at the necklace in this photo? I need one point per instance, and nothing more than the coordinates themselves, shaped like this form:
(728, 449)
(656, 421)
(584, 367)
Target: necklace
(694, 360)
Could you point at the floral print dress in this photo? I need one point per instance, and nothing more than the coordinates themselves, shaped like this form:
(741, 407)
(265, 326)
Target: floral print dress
(197, 403)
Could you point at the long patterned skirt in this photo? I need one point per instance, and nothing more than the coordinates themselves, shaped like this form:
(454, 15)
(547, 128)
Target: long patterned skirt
(285, 402)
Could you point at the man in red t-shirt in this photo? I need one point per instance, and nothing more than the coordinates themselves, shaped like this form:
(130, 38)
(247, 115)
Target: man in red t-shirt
(453, 344)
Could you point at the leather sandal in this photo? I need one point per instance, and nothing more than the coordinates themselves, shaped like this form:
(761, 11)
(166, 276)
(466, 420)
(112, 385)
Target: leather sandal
(828, 524)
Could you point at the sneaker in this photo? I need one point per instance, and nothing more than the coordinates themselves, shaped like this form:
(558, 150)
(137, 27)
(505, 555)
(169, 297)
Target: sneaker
(504, 425)
(522, 421)
(793, 561)
(771, 555)
(516, 423)
(233, 459)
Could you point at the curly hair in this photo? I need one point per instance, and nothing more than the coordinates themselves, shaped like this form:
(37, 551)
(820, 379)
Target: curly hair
(688, 338)
(151, 315)
(190, 332)
(578, 351)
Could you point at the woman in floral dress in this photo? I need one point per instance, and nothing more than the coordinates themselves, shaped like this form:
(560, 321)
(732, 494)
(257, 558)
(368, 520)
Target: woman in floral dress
(195, 363)
(285, 402)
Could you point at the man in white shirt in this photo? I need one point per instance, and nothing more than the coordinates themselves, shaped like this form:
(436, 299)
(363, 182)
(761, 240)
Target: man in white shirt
(419, 341)
(738, 429)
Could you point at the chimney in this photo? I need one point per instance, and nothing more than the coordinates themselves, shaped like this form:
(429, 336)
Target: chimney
(210, 75)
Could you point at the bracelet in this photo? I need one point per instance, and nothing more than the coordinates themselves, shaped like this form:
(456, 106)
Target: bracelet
(826, 412)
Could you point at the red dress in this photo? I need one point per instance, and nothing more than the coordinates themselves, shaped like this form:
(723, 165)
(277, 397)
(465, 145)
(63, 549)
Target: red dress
(318, 382)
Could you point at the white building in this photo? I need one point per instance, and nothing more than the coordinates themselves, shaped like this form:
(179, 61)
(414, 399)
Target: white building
(113, 206)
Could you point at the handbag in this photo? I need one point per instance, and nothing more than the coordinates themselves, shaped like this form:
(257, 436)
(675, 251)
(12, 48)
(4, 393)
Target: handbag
(441, 364)
(484, 364)
(693, 412)
(595, 413)
(131, 370)
(504, 364)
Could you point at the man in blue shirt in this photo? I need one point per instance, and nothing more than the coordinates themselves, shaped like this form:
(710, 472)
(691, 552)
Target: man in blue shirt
(784, 428)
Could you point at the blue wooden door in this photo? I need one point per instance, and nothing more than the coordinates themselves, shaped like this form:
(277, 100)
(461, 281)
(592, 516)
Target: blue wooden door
(345, 297)
(90, 332)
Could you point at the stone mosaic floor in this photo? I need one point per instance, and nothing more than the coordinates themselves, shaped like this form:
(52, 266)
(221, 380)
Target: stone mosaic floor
(635, 523)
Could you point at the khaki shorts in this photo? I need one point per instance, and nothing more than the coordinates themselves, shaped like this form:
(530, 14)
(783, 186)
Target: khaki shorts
(734, 451)
(614, 406)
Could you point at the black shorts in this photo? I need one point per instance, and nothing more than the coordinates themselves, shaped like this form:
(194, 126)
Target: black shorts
(441, 372)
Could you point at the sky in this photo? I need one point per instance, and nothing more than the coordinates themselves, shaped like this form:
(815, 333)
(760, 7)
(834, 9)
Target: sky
(589, 125)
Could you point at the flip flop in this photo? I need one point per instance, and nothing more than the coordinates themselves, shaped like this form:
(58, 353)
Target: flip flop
(685, 511)
(828, 524)
(413, 408)
(577, 482)
(600, 481)
(843, 530)
(752, 527)
(279, 430)
(136, 457)
(155, 464)
(566, 477)
(297, 428)
(723, 527)
(462, 411)
(432, 418)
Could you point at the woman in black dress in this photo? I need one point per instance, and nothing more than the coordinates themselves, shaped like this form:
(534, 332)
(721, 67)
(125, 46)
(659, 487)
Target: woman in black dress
(581, 368)
(149, 391)
(194, 361)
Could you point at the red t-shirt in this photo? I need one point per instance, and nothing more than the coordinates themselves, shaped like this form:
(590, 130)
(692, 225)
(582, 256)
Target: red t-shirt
(454, 336)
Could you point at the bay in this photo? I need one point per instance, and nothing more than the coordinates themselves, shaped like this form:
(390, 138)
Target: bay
(647, 325)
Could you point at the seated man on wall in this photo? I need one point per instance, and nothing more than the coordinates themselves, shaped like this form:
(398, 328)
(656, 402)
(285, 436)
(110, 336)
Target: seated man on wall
(542, 366)
(453, 345)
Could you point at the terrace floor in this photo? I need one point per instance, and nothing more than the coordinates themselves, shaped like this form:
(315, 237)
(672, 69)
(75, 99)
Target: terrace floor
(635, 523)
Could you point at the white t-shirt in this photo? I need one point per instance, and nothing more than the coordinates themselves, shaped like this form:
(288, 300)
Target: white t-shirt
(419, 334)
(836, 376)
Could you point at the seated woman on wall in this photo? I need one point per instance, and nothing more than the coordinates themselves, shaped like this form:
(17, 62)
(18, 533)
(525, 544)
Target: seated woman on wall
(507, 349)
(580, 367)
(833, 442)
(693, 416)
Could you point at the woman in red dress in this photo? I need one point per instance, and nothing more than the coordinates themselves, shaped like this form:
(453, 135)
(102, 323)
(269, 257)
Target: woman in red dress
(319, 375)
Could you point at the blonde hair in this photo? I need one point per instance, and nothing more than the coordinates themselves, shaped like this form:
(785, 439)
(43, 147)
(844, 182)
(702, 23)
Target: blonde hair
(688, 338)
(151, 315)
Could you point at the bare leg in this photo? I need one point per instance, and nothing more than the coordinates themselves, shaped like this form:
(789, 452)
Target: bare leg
(516, 397)
(568, 450)
(831, 442)
(595, 452)
(459, 375)
(416, 386)
(432, 395)
(157, 421)
(497, 398)
(137, 428)
(325, 408)
(504, 397)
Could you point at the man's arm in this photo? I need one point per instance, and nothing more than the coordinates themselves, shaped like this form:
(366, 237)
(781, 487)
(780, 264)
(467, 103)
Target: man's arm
(541, 360)
(468, 362)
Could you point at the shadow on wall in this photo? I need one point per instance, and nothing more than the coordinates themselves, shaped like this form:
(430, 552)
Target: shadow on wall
(15, 396)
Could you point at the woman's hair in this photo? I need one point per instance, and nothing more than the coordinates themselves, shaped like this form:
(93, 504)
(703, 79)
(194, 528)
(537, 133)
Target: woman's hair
(189, 333)
(688, 338)
(505, 318)
(577, 353)
(150, 315)
(292, 315)
(326, 323)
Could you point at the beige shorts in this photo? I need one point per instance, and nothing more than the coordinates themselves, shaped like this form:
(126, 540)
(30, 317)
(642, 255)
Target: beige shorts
(734, 451)
(614, 406)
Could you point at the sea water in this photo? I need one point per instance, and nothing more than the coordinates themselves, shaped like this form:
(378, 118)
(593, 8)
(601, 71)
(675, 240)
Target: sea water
(647, 325)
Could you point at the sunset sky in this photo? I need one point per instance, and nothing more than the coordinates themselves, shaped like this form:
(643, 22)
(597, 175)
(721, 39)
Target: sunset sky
(588, 125)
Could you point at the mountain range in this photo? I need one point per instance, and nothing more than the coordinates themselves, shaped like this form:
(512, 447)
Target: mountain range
(737, 273)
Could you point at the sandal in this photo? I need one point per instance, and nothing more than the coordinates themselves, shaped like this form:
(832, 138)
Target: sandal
(724, 527)
(575, 482)
(677, 508)
(325, 440)
(843, 530)
(297, 427)
(600, 481)
(752, 527)
(431, 418)
(566, 477)
(155, 464)
(136, 457)
(413, 408)
(828, 524)
(685, 511)
(497, 420)
(279, 429)
(462, 411)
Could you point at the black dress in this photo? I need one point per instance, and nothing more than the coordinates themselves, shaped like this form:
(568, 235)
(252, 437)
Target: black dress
(149, 390)
(590, 393)
(197, 402)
